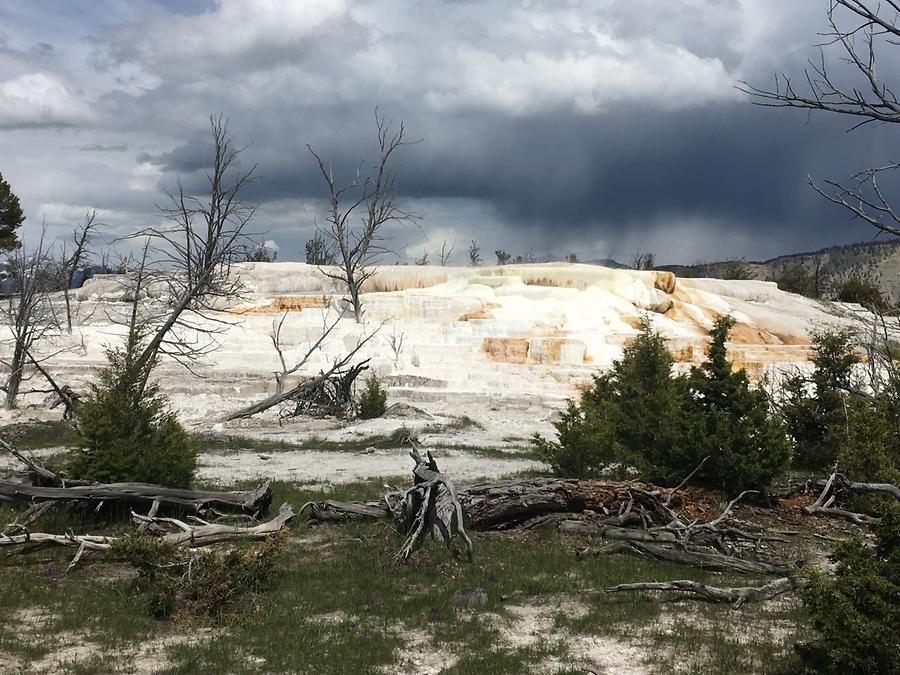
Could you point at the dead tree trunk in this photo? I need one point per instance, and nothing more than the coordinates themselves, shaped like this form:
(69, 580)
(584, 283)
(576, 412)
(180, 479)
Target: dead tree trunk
(431, 506)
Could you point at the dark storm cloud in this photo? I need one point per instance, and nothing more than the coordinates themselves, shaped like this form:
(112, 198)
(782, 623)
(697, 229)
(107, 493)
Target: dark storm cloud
(553, 125)
(740, 165)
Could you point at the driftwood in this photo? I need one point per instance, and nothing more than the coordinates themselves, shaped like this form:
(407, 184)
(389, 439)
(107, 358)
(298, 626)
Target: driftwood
(190, 536)
(430, 507)
(504, 504)
(834, 487)
(634, 515)
(252, 503)
(737, 596)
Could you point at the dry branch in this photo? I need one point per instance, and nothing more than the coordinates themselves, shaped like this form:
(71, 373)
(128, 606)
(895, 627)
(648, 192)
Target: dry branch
(838, 484)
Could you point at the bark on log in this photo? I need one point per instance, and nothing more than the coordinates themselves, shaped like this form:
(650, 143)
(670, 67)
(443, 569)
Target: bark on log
(252, 503)
(737, 596)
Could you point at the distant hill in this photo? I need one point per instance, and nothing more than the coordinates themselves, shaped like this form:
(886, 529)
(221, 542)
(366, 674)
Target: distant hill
(876, 263)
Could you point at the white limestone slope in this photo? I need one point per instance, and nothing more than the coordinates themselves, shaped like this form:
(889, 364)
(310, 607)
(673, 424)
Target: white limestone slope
(512, 338)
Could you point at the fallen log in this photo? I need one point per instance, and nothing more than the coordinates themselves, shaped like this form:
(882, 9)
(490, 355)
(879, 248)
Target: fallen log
(737, 596)
(191, 536)
(702, 559)
(254, 502)
(331, 511)
(508, 503)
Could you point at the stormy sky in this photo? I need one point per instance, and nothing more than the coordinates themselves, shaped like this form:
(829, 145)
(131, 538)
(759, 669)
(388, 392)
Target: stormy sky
(602, 127)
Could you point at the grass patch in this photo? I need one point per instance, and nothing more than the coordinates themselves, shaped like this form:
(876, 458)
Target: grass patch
(37, 435)
(337, 603)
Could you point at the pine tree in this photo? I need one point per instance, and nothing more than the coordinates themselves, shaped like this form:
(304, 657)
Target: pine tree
(11, 216)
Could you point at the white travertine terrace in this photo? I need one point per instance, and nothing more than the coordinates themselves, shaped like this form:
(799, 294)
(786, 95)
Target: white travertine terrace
(536, 329)
(503, 345)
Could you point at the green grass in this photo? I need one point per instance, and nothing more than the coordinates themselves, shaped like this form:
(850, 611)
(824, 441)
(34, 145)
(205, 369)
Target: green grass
(339, 604)
(35, 435)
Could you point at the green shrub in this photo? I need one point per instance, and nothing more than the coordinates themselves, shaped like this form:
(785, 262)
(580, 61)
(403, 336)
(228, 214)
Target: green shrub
(588, 446)
(796, 279)
(126, 431)
(857, 611)
(654, 416)
(635, 419)
(862, 293)
(746, 445)
(815, 408)
(373, 400)
(640, 418)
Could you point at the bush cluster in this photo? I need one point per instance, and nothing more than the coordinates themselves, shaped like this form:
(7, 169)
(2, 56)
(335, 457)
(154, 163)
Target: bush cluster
(641, 419)
(857, 610)
(126, 432)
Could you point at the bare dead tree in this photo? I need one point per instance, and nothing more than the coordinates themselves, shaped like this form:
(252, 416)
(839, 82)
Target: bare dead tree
(195, 251)
(74, 260)
(445, 253)
(642, 260)
(422, 260)
(474, 254)
(27, 311)
(395, 342)
(335, 379)
(373, 199)
(298, 363)
(860, 30)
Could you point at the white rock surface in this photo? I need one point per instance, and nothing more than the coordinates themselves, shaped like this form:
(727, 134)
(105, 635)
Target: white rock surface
(503, 345)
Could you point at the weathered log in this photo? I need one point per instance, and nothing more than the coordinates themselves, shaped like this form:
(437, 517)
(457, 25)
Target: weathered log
(702, 559)
(508, 503)
(835, 484)
(198, 501)
(331, 511)
(212, 533)
(190, 536)
(737, 596)
(852, 516)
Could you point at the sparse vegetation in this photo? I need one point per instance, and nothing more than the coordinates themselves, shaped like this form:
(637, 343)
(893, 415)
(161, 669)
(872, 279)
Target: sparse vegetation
(797, 279)
(538, 583)
(11, 216)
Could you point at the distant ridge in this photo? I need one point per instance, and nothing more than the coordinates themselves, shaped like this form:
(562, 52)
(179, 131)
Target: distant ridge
(874, 262)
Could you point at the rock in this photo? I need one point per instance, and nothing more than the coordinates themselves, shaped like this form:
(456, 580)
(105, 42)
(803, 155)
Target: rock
(470, 597)
(406, 412)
